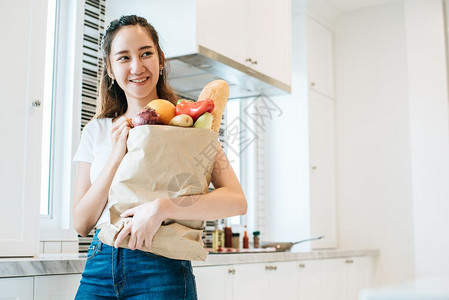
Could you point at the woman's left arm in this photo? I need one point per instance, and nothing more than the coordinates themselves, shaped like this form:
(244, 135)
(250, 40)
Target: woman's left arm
(225, 201)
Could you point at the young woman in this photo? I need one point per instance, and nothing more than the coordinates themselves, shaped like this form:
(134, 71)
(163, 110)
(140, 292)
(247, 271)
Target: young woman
(133, 76)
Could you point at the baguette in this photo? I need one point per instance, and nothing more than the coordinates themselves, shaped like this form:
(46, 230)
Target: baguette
(218, 91)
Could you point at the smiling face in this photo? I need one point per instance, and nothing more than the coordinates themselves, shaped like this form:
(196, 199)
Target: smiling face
(134, 63)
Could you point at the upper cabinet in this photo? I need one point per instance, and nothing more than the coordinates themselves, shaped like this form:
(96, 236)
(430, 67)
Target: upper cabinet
(253, 33)
(20, 157)
(318, 43)
(320, 49)
(218, 31)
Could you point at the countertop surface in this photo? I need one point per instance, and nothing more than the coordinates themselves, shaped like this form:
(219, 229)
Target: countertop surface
(58, 264)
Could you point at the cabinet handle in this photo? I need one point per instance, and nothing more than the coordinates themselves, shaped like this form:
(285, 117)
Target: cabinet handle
(349, 261)
(275, 268)
(313, 167)
(302, 266)
(231, 271)
(36, 103)
(312, 84)
(251, 61)
(269, 268)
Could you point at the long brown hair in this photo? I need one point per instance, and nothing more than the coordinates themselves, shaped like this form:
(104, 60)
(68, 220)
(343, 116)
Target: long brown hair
(112, 100)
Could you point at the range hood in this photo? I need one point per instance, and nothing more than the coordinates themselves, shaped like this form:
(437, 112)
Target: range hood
(188, 74)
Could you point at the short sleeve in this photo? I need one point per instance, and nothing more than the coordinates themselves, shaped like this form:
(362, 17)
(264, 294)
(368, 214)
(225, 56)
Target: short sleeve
(85, 150)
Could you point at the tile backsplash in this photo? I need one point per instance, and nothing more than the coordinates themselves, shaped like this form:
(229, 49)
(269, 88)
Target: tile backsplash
(58, 247)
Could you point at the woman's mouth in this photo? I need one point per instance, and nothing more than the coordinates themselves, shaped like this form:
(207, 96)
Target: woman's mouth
(139, 80)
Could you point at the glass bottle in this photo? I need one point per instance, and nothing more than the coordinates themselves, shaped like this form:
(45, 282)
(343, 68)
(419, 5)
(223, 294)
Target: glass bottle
(245, 240)
(256, 239)
(236, 240)
(215, 237)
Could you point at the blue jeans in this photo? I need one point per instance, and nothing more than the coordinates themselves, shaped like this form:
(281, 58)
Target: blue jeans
(112, 273)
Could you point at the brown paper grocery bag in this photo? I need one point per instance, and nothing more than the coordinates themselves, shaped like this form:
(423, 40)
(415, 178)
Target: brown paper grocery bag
(164, 162)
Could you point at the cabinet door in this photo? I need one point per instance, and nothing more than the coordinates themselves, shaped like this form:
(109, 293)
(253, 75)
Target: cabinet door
(214, 282)
(282, 280)
(358, 275)
(322, 171)
(310, 273)
(333, 279)
(249, 281)
(16, 288)
(61, 287)
(269, 38)
(22, 82)
(221, 27)
(320, 58)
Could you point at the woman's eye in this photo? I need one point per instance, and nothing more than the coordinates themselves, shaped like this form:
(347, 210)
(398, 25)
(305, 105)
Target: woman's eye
(123, 58)
(148, 53)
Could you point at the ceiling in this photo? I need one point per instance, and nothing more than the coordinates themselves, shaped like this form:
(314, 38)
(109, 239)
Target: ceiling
(345, 5)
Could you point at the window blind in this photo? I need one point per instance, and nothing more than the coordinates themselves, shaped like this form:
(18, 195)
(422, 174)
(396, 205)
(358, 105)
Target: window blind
(92, 66)
(94, 18)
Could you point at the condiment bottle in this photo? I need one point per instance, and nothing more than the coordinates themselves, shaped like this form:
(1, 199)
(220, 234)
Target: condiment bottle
(236, 240)
(215, 237)
(228, 237)
(221, 235)
(245, 240)
(256, 239)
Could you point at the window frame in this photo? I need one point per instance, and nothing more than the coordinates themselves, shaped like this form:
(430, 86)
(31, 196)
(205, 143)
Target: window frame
(65, 133)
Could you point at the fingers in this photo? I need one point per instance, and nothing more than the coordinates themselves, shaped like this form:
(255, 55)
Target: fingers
(148, 243)
(132, 242)
(139, 242)
(122, 235)
(128, 213)
(121, 126)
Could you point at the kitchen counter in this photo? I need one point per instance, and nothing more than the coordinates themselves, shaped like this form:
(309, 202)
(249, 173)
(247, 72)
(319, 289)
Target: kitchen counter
(58, 264)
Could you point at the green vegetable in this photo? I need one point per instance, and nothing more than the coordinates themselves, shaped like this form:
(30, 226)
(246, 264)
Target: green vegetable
(204, 121)
(188, 100)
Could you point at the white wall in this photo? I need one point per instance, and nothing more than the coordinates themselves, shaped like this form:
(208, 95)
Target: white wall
(287, 151)
(176, 39)
(373, 137)
(392, 136)
(428, 98)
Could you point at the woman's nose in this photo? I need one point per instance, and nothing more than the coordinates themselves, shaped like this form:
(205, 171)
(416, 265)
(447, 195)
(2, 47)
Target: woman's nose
(137, 66)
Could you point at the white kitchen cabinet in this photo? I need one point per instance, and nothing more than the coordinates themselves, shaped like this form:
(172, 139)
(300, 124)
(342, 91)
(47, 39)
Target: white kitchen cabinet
(22, 89)
(282, 280)
(310, 273)
(214, 282)
(358, 275)
(217, 31)
(61, 287)
(344, 278)
(332, 279)
(275, 280)
(255, 33)
(269, 38)
(249, 281)
(320, 52)
(320, 279)
(16, 288)
(323, 204)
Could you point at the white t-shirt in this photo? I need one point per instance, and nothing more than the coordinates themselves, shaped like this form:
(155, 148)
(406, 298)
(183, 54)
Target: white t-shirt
(95, 147)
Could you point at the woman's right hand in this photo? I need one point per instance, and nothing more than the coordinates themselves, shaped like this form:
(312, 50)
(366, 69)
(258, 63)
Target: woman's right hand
(119, 136)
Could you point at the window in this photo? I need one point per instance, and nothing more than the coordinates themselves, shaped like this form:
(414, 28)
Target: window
(59, 104)
(45, 205)
(232, 138)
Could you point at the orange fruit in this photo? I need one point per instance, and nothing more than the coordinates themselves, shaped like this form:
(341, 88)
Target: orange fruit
(165, 109)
